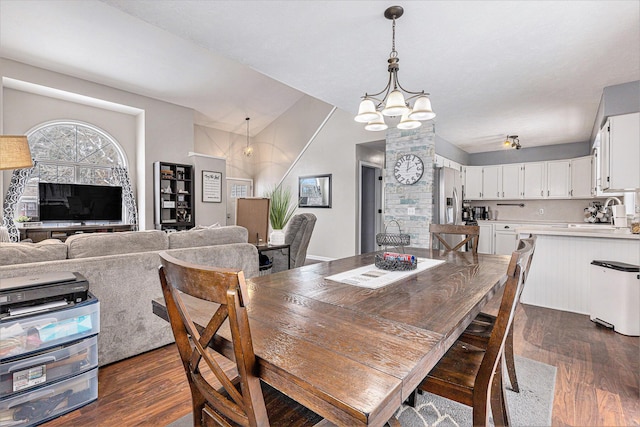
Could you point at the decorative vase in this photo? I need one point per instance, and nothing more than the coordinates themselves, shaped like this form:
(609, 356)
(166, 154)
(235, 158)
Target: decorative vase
(277, 237)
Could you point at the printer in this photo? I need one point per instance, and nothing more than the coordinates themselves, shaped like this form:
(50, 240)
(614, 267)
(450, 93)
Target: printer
(21, 296)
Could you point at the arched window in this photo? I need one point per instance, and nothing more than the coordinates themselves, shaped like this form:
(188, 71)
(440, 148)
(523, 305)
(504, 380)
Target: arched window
(69, 152)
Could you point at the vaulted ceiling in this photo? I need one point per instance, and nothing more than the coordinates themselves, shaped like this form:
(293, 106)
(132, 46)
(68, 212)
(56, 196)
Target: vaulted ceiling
(532, 68)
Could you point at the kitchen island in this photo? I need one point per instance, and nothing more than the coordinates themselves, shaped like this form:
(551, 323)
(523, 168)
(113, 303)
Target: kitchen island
(560, 275)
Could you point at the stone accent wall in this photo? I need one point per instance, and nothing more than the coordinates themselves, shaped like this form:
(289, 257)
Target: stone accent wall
(399, 197)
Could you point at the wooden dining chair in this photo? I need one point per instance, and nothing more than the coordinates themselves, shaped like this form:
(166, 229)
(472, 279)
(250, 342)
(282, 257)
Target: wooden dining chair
(224, 392)
(479, 331)
(471, 234)
(473, 375)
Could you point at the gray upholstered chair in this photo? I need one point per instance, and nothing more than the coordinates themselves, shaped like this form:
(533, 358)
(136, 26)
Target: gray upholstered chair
(298, 235)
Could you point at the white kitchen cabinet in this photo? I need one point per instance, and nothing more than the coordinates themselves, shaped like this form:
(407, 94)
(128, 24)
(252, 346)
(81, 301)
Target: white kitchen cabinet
(485, 243)
(492, 182)
(620, 151)
(512, 181)
(533, 183)
(506, 239)
(473, 183)
(558, 179)
(582, 183)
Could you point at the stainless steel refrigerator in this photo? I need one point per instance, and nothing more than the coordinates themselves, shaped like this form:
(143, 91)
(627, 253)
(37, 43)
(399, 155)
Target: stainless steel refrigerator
(447, 189)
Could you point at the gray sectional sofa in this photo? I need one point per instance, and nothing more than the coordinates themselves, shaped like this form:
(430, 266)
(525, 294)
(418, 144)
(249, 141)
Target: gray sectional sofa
(122, 270)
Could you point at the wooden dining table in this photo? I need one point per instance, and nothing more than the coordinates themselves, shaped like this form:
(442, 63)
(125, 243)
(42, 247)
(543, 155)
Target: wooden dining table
(354, 354)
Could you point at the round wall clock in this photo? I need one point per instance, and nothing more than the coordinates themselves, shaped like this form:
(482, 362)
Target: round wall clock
(408, 169)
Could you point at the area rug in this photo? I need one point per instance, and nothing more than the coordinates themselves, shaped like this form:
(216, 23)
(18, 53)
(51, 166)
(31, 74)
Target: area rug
(531, 407)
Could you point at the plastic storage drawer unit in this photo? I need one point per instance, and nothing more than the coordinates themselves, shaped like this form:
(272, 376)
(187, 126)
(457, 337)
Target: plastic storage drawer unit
(48, 366)
(38, 332)
(48, 402)
(615, 296)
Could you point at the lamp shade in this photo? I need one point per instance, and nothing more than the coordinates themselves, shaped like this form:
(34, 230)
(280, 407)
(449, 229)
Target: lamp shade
(378, 124)
(366, 112)
(395, 106)
(407, 123)
(422, 109)
(14, 152)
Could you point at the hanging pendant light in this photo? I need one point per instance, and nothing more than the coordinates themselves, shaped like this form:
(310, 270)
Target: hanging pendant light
(393, 101)
(248, 150)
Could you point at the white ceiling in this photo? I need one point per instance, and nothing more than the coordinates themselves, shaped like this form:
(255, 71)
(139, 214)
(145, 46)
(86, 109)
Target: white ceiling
(532, 68)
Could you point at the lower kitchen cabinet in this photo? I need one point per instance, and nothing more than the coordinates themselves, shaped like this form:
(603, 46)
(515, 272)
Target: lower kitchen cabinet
(485, 243)
(506, 239)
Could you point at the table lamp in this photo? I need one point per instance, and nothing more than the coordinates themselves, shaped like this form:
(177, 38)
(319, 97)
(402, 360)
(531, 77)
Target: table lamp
(14, 154)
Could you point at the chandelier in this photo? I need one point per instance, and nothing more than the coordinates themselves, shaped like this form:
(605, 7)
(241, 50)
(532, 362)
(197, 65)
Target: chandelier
(513, 141)
(373, 109)
(248, 150)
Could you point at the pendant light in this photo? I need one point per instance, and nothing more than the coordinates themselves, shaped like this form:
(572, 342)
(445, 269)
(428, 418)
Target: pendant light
(372, 109)
(248, 150)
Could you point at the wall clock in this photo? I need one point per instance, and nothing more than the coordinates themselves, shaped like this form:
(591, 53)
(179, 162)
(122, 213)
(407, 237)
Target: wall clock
(408, 169)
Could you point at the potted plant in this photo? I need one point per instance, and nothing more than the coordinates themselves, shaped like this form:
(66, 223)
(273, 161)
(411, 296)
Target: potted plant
(280, 212)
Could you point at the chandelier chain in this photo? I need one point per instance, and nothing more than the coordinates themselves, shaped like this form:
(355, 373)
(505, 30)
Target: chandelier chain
(394, 53)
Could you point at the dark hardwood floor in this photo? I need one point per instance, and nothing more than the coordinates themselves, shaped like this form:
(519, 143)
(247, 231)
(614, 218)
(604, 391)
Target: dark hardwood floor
(596, 383)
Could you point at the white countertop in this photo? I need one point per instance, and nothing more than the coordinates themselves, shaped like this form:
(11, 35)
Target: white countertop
(581, 230)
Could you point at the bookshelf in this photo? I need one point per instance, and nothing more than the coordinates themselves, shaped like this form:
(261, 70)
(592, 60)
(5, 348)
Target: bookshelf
(173, 196)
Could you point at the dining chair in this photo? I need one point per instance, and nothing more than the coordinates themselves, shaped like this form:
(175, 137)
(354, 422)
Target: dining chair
(479, 331)
(471, 234)
(223, 391)
(473, 375)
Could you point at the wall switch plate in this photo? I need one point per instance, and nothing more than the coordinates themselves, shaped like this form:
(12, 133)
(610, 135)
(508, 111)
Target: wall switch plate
(541, 211)
(411, 211)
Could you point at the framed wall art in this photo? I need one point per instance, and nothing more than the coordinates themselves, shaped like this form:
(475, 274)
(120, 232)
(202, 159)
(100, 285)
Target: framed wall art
(211, 187)
(314, 191)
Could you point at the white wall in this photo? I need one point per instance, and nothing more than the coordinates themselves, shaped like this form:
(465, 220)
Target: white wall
(226, 145)
(333, 151)
(208, 213)
(163, 131)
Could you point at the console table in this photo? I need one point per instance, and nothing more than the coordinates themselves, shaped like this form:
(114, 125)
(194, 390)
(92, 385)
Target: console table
(38, 234)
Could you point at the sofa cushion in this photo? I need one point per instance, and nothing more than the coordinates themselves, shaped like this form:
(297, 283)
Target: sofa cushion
(100, 244)
(208, 237)
(23, 253)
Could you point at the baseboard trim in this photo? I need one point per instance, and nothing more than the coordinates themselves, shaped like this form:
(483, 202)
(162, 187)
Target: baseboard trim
(319, 258)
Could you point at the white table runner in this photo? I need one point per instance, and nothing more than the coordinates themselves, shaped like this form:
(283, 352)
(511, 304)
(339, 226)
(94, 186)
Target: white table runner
(372, 277)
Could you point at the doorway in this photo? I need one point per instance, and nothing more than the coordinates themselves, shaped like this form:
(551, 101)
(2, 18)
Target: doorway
(236, 188)
(370, 206)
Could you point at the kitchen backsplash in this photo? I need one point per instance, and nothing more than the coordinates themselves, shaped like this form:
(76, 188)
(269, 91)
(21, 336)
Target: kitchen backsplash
(537, 210)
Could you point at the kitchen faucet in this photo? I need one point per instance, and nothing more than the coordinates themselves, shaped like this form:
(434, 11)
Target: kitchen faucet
(610, 199)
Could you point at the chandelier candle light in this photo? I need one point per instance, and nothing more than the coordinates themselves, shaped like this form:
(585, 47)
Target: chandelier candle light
(393, 103)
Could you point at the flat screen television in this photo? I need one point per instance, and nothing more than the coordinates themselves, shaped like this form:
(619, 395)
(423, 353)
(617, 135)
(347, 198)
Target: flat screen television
(78, 202)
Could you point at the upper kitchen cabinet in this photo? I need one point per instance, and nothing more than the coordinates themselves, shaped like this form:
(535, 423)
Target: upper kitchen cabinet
(582, 183)
(442, 162)
(492, 182)
(512, 181)
(533, 183)
(473, 183)
(558, 179)
(619, 153)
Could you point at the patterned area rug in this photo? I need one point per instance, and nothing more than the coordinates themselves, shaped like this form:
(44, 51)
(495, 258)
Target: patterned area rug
(531, 407)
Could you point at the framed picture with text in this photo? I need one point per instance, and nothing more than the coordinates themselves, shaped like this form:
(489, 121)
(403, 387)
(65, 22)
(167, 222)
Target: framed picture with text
(211, 187)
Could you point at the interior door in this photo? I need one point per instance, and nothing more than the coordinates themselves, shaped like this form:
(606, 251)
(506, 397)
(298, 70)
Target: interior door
(370, 207)
(236, 188)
